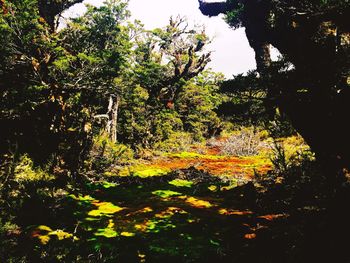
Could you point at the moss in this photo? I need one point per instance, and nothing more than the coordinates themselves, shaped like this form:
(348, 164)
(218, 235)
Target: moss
(105, 208)
(107, 185)
(44, 228)
(233, 184)
(60, 234)
(181, 183)
(143, 171)
(106, 232)
(127, 234)
(44, 234)
(150, 172)
(80, 198)
(165, 193)
(161, 221)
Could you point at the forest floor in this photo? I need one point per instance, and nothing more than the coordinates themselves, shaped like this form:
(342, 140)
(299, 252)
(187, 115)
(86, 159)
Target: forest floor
(185, 207)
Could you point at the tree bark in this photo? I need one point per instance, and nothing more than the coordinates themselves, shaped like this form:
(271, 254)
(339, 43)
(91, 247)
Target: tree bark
(111, 117)
(112, 123)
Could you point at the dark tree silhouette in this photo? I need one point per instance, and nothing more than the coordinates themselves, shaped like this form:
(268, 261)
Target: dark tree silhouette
(313, 36)
(212, 8)
(50, 10)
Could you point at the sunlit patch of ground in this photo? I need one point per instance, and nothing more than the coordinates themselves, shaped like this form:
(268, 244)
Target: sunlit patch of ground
(210, 159)
(211, 162)
(161, 211)
(166, 219)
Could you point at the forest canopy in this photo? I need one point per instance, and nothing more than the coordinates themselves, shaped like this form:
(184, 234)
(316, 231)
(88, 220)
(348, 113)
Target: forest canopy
(61, 87)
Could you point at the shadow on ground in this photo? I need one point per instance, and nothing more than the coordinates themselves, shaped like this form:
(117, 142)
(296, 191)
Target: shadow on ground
(186, 216)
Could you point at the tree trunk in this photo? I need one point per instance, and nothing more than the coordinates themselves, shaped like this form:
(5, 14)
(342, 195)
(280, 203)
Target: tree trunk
(112, 113)
(111, 117)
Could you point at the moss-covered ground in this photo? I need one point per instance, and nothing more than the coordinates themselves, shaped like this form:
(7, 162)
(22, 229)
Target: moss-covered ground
(182, 207)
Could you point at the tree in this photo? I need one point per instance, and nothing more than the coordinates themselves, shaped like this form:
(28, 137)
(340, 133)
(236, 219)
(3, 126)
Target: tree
(29, 107)
(97, 49)
(51, 10)
(313, 37)
(54, 83)
(246, 100)
(164, 62)
(197, 103)
(175, 55)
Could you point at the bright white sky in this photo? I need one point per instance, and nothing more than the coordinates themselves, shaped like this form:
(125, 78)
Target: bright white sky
(231, 53)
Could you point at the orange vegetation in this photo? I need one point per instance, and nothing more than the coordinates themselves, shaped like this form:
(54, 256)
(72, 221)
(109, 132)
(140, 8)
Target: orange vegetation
(229, 166)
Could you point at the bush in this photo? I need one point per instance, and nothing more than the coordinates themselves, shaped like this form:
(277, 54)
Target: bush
(25, 171)
(245, 142)
(289, 152)
(177, 141)
(105, 153)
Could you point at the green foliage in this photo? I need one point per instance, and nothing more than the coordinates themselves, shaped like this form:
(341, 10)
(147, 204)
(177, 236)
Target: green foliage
(177, 141)
(234, 17)
(290, 152)
(155, 95)
(104, 152)
(245, 101)
(197, 102)
(55, 83)
(63, 80)
(25, 171)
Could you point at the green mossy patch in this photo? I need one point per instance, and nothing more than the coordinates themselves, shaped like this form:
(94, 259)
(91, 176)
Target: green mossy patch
(143, 171)
(166, 193)
(181, 183)
(105, 209)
